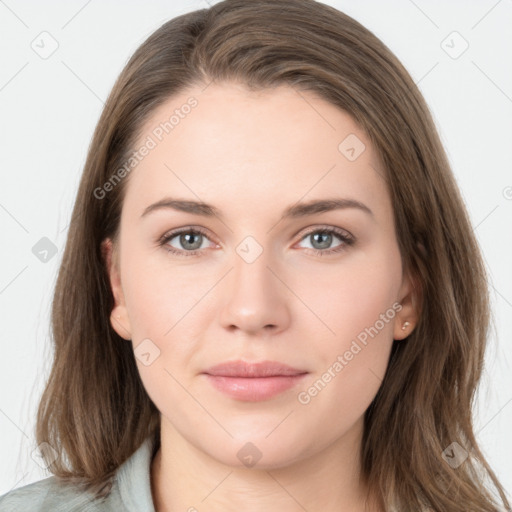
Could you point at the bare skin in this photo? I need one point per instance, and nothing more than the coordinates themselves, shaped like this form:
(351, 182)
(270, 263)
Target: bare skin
(252, 155)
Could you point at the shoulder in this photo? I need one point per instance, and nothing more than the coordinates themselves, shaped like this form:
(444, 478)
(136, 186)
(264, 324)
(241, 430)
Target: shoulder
(52, 495)
(28, 497)
(130, 490)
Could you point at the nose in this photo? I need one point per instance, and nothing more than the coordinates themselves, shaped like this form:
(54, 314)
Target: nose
(256, 298)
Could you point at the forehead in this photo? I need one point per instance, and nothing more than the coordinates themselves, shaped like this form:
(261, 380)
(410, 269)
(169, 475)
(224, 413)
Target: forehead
(226, 144)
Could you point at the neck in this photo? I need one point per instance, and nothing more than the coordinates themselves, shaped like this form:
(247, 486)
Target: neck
(184, 477)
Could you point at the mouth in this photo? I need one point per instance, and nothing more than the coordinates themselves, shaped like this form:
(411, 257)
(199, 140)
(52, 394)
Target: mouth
(263, 369)
(253, 381)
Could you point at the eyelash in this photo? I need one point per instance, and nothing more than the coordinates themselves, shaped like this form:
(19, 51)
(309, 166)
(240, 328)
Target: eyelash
(347, 240)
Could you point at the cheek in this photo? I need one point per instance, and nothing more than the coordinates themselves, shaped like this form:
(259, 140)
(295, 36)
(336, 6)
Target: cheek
(159, 295)
(357, 305)
(160, 303)
(167, 318)
(351, 296)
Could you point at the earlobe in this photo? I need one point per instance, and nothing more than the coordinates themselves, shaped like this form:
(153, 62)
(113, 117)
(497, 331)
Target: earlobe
(402, 330)
(119, 314)
(116, 321)
(409, 298)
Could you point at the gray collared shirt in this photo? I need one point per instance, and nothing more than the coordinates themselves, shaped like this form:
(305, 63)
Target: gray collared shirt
(131, 491)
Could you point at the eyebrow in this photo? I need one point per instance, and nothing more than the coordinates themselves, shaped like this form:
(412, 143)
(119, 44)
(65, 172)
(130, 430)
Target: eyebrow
(297, 210)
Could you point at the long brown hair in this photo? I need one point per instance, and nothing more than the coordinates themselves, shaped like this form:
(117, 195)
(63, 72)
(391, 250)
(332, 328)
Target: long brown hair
(95, 411)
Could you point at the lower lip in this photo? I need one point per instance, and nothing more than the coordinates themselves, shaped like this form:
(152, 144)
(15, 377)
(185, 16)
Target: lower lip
(254, 389)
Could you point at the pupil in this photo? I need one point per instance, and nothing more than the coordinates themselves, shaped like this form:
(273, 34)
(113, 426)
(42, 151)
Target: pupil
(326, 243)
(185, 240)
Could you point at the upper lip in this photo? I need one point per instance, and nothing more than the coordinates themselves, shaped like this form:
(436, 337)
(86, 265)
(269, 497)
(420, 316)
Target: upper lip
(244, 369)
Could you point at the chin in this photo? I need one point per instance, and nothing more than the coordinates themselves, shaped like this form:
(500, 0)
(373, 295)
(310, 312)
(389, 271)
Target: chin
(258, 452)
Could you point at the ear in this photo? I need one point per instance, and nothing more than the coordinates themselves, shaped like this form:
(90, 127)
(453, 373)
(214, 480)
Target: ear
(409, 297)
(119, 315)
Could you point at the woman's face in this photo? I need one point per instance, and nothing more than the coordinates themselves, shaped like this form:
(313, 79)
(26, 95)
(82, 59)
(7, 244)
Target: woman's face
(319, 289)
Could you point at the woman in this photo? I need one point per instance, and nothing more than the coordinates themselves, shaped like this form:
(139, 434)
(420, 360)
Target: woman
(205, 358)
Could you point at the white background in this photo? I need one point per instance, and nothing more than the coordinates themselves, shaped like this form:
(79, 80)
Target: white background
(49, 108)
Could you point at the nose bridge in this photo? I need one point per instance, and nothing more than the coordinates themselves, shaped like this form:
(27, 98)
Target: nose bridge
(251, 263)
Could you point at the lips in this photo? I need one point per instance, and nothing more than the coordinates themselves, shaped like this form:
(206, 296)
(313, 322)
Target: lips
(253, 382)
(262, 369)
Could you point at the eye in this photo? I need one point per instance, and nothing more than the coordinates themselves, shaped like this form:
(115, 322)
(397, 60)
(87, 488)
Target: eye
(189, 241)
(322, 238)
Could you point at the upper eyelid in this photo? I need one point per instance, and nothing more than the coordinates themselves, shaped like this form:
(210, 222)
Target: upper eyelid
(335, 229)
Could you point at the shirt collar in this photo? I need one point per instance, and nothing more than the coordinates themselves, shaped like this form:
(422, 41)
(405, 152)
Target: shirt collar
(133, 478)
